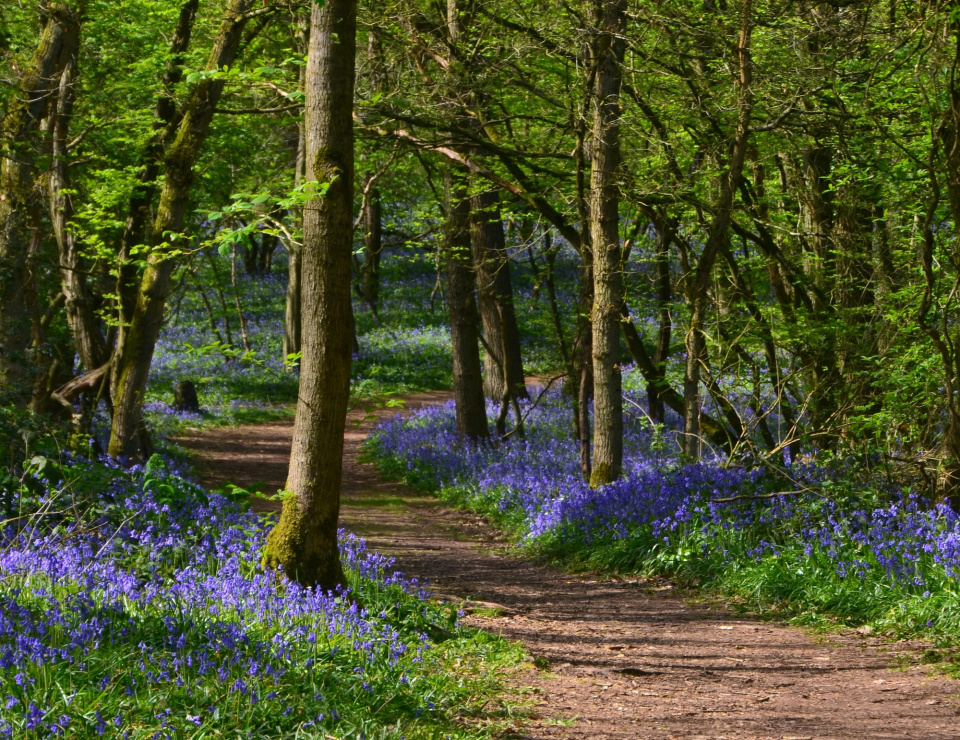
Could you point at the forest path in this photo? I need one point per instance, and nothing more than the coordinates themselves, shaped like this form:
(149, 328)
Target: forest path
(627, 659)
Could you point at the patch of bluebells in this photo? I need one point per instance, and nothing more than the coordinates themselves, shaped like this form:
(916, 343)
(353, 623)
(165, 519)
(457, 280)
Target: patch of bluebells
(149, 617)
(412, 354)
(668, 516)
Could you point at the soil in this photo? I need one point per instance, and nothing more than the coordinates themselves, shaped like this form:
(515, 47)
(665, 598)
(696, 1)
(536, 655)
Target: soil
(617, 658)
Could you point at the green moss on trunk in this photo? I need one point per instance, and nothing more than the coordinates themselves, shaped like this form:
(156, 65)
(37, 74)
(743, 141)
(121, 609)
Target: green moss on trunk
(304, 554)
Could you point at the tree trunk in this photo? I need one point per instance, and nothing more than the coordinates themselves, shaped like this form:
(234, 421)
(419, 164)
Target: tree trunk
(495, 297)
(550, 257)
(79, 299)
(462, 305)
(251, 256)
(137, 339)
(292, 313)
(607, 251)
(304, 542)
(372, 246)
(20, 131)
(581, 365)
(655, 403)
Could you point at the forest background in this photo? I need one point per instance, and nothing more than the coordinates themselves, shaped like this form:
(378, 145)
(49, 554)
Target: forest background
(721, 233)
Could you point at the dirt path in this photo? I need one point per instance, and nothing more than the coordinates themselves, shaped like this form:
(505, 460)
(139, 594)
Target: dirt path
(627, 659)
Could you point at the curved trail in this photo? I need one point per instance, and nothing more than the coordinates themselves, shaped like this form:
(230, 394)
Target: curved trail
(627, 659)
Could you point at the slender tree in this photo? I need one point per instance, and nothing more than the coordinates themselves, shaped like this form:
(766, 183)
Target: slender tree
(717, 235)
(292, 312)
(304, 541)
(372, 248)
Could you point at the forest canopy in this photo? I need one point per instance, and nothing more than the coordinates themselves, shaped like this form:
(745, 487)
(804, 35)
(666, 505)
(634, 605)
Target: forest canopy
(761, 196)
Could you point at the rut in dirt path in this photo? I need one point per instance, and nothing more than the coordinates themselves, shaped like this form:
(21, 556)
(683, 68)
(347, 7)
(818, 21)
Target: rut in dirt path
(626, 659)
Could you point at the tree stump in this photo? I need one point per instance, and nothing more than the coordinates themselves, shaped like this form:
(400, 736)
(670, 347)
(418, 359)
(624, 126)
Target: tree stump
(185, 397)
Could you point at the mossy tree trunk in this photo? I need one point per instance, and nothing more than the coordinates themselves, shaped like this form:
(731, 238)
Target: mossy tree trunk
(304, 541)
(607, 250)
(139, 334)
(20, 137)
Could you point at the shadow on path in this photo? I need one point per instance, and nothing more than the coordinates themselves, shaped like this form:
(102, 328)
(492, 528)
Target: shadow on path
(628, 659)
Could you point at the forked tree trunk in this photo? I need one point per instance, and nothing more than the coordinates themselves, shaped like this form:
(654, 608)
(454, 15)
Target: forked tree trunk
(462, 305)
(304, 541)
(607, 252)
(20, 132)
(495, 297)
(138, 338)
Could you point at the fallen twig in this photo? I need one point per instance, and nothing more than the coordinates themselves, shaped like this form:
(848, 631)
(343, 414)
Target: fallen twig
(754, 498)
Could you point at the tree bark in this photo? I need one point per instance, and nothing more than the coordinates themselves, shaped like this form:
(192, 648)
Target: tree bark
(138, 336)
(495, 298)
(304, 542)
(462, 305)
(80, 302)
(18, 199)
(607, 251)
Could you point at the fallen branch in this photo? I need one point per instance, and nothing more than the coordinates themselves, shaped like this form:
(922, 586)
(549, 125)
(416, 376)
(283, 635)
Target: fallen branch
(535, 402)
(754, 498)
(86, 382)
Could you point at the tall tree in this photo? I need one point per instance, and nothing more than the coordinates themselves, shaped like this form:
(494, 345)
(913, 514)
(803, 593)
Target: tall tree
(304, 541)
(79, 299)
(138, 336)
(698, 284)
(607, 248)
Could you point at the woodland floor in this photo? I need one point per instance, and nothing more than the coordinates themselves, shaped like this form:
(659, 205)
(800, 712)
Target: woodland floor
(623, 659)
